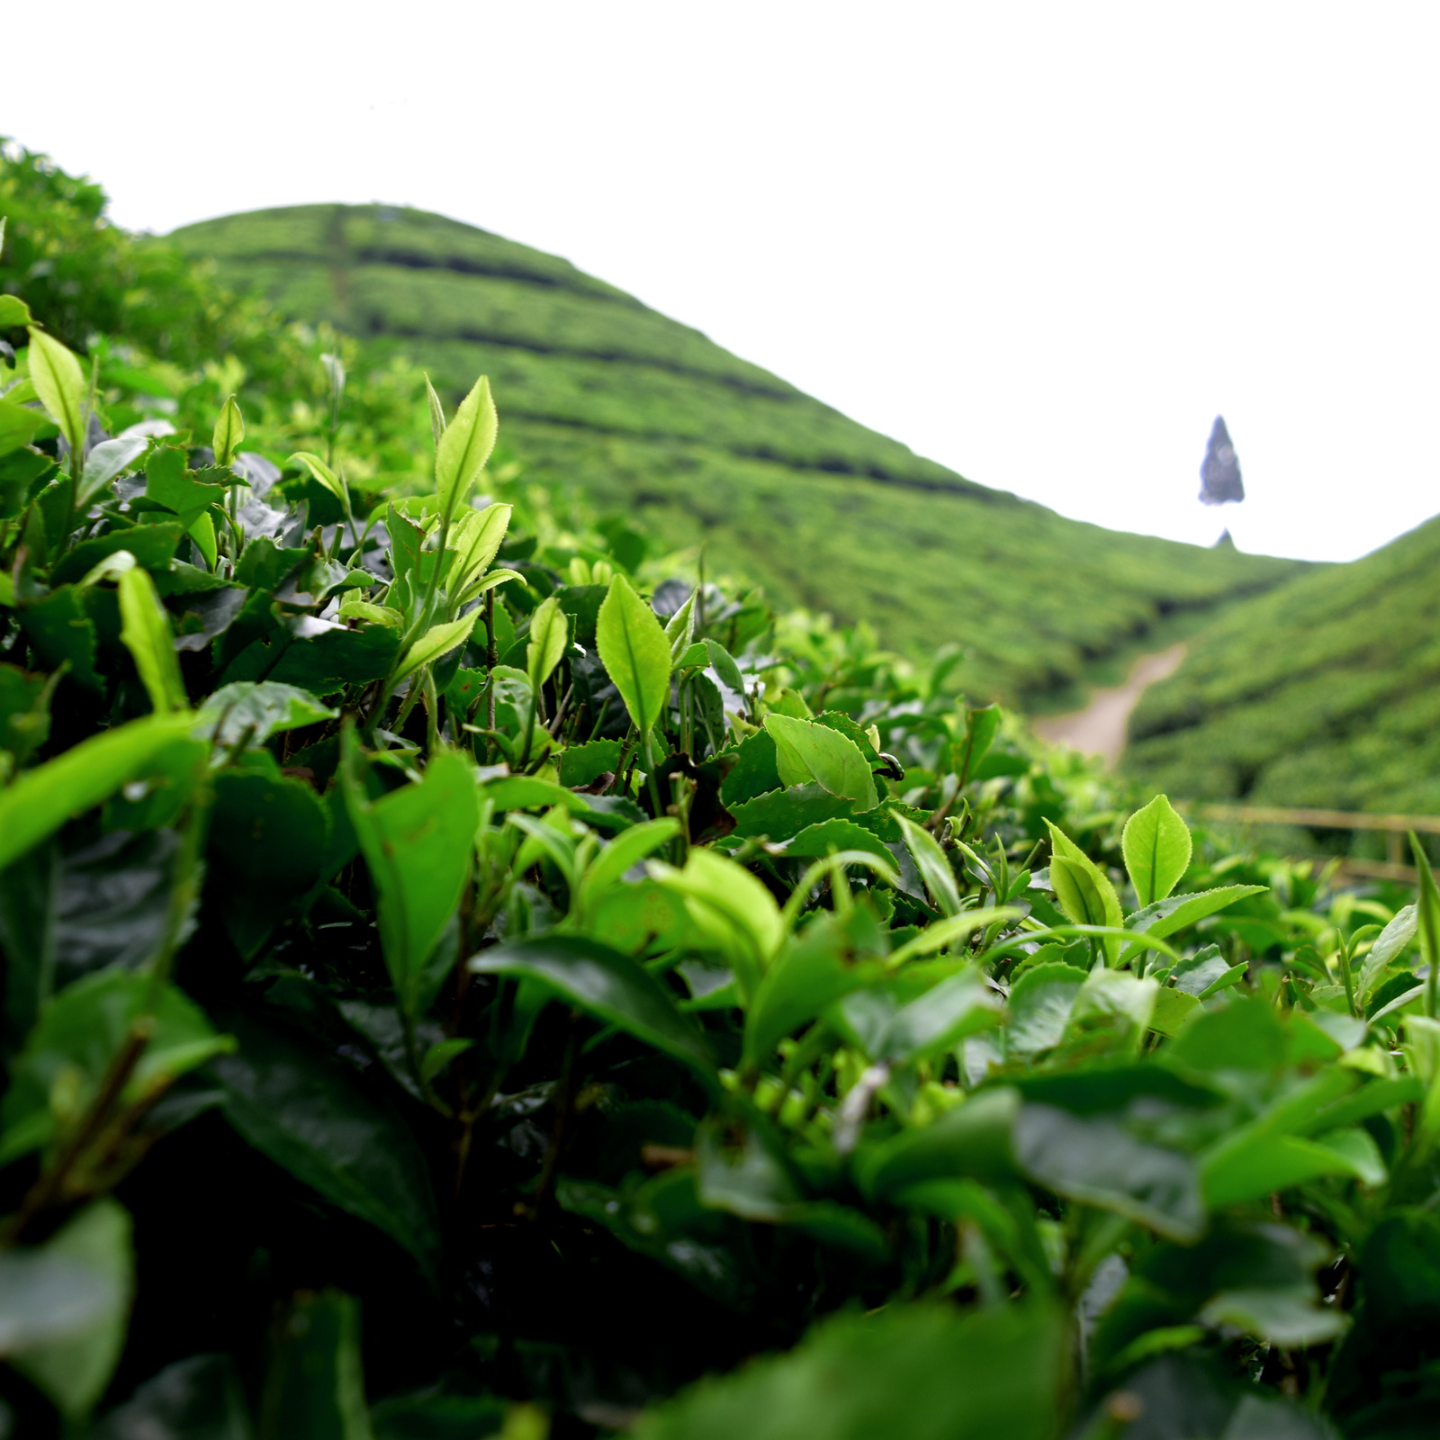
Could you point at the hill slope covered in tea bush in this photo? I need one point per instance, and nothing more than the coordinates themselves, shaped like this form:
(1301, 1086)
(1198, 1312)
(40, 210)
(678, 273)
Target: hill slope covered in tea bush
(1324, 692)
(650, 416)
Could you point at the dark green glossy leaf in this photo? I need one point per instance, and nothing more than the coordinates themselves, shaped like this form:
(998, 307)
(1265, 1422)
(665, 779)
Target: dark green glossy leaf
(754, 771)
(582, 764)
(606, 984)
(62, 631)
(323, 658)
(306, 1112)
(113, 902)
(269, 836)
(255, 712)
(153, 547)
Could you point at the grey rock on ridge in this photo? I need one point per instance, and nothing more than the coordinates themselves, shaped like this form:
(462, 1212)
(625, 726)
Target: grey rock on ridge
(1220, 480)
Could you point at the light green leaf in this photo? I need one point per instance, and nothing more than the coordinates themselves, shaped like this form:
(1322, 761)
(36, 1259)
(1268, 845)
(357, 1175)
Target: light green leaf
(626, 849)
(475, 537)
(374, 614)
(1157, 847)
(635, 653)
(1040, 1004)
(933, 866)
(1079, 896)
(73, 1368)
(680, 628)
(1087, 896)
(1389, 944)
(960, 1005)
(60, 384)
(1428, 909)
(40, 801)
(1171, 915)
(437, 641)
(549, 634)
(321, 471)
(202, 532)
(112, 567)
(418, 842)
(229, 432)
(14, 312)
(107, 460)
(607, 984)
(940, 933)
(145, 629)
(732, 907)
(806, 751)
(1262, 1163)
(461, 452)
(812, 972)
(437, 412)
(920, 1371)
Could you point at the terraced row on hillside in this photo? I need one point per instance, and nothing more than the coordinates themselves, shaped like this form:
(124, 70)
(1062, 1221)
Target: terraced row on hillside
(1325, 692)
(597, 390)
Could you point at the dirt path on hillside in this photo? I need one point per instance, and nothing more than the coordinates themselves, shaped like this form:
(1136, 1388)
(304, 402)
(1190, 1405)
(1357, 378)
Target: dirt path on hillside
(1100, 728)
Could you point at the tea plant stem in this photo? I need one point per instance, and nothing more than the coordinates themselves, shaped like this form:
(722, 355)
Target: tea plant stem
(46, 1190)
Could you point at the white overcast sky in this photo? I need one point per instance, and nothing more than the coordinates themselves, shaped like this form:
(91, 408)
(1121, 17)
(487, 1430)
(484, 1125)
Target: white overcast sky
(1044, 244)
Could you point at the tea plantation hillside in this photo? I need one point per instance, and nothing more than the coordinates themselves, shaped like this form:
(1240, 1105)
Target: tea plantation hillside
(600, 391)
(1325, 692)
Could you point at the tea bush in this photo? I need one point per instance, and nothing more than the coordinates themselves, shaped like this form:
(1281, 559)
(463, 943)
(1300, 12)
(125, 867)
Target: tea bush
(462, 980)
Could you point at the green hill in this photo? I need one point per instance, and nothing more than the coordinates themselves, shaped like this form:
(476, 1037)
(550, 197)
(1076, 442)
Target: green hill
(1324, 692)
(600, 391)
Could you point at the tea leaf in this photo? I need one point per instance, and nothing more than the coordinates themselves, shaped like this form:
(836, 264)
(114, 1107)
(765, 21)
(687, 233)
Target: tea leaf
(549, 635)
(807, 750)
(635, 653)
(147, 635)
(1157, 848)
(60, 384)
(463, 449)
(73, 1362)
(321, 471)
(40, 801)
(418, 843)
(435, 642)
(608, 985)
(229, 432)
(308, 1114)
